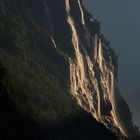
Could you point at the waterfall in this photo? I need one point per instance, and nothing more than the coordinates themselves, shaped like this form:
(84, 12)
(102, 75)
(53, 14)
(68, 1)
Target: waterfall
(54, 44)
(82, 13)
(100, 56)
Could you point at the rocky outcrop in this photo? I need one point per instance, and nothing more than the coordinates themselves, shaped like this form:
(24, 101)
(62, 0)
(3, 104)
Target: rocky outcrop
(60, 58)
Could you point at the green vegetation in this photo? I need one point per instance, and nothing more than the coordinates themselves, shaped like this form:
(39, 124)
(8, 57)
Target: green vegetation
(34, 78)
(34, 90)
(34, 99)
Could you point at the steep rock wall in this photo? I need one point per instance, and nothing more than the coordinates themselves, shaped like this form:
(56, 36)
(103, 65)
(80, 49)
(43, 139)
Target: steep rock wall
(65, 41)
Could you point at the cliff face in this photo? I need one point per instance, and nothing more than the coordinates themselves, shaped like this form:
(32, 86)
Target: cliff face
(93, 73)
(53, 52)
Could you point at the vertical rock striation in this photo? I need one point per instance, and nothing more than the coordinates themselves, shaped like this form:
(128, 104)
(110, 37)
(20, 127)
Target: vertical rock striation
(62, 41)
(93, 73)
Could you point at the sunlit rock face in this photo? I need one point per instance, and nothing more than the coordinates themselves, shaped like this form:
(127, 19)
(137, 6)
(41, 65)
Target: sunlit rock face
(93, 71)
(91, 67)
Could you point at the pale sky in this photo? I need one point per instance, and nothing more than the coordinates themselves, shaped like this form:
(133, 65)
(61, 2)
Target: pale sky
(120, 22)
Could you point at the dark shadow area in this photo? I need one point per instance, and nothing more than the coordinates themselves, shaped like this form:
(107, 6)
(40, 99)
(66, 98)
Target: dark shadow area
(13, 126)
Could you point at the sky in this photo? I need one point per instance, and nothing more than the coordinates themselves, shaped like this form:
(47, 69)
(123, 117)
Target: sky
(120, 22)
